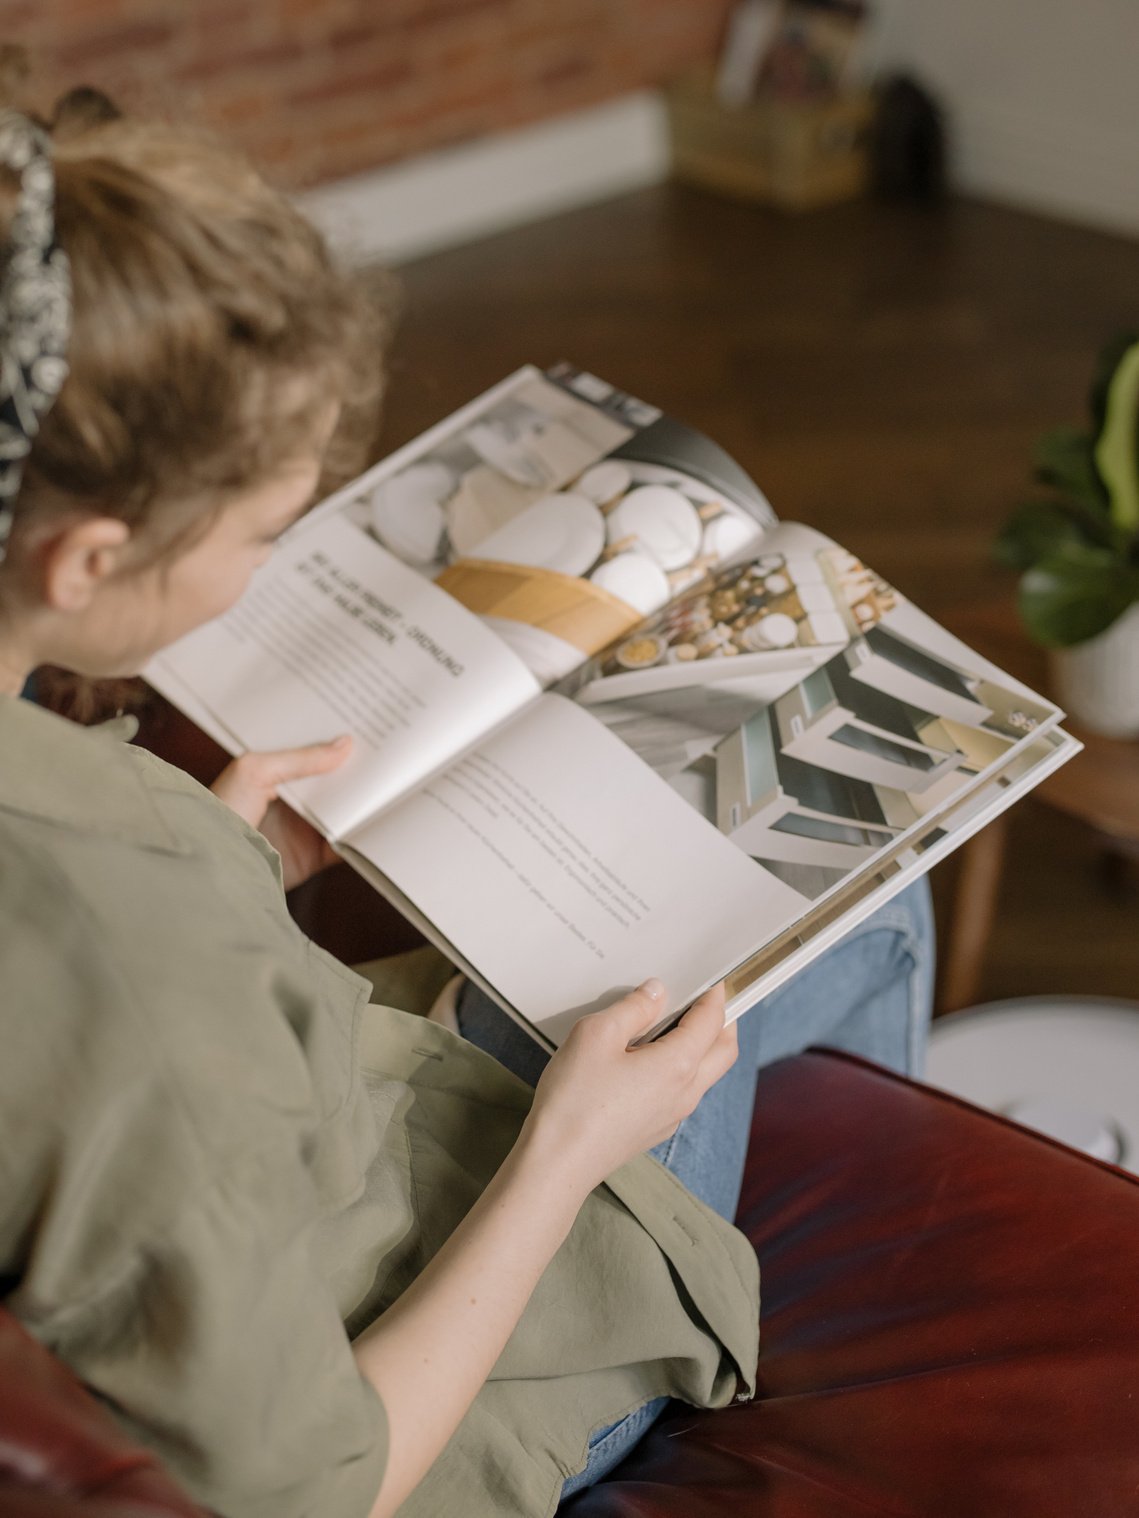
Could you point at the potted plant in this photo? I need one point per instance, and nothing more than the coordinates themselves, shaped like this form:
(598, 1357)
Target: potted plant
(1078, 551)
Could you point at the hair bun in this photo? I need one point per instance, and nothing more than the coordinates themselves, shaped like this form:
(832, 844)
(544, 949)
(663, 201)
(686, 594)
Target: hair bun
(81, 109)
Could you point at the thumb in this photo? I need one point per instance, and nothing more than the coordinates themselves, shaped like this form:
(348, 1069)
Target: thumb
(636, 1012)
(280, 766)
(250, 783)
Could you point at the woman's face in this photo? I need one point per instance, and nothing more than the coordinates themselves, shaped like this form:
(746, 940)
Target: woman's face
(142, 610)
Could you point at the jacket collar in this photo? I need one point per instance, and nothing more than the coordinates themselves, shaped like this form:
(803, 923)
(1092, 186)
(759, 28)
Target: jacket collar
(76, 777)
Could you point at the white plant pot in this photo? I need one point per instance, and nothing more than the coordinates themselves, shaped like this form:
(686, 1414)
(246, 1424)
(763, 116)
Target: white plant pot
(1097, 682)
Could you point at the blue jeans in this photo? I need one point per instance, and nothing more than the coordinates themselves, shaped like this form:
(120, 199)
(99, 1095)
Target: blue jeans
(871, 994)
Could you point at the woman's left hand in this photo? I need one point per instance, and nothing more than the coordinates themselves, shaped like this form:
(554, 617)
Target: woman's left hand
(249, 787)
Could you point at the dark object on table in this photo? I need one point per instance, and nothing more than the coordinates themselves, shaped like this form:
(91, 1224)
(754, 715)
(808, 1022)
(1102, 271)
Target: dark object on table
(950, 1327)
(907, 143)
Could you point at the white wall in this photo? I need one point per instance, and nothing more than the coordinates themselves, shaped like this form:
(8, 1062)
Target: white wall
(1042, 97)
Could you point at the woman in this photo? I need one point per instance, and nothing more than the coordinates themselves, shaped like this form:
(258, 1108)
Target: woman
(324, 1256)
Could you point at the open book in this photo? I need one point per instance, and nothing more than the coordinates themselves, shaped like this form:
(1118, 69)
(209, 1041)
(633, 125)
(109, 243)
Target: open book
(612, 718)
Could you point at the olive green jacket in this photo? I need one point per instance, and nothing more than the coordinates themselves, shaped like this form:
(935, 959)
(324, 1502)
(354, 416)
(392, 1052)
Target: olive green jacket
(205, 1189)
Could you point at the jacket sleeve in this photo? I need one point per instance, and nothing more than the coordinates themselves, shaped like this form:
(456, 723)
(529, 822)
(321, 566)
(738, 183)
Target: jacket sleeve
(160, 1206)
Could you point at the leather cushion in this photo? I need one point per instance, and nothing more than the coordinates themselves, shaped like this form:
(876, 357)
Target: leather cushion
(61, 1453)
(950, 1321)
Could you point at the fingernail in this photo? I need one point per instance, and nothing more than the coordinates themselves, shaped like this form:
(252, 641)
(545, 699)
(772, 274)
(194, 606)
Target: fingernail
(342, 741)
(653, 988)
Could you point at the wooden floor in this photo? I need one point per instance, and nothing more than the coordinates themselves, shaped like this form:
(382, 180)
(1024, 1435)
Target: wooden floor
(881, 372)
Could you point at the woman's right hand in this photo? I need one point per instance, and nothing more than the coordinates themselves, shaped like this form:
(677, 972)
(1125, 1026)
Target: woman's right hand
(600, 1102)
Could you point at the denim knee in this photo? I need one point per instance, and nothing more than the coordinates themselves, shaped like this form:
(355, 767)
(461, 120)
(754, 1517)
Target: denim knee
(888, 964)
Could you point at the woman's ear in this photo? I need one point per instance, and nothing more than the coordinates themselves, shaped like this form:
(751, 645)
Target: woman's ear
(80, 557)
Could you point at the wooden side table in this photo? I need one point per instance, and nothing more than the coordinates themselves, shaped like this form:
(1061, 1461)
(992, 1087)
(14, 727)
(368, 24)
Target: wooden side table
(1099, 788)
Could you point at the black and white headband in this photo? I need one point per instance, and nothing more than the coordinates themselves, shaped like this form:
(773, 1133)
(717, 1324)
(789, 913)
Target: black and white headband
(35, 306)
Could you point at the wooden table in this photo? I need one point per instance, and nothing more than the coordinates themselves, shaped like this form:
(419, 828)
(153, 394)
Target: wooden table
(1099, 788)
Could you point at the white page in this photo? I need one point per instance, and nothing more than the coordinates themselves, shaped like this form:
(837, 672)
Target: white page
(335, 635)
(552, 858)
(752, 982)
(814, 757)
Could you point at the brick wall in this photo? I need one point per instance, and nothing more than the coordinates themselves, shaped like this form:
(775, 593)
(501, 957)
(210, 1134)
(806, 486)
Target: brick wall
(318, 89)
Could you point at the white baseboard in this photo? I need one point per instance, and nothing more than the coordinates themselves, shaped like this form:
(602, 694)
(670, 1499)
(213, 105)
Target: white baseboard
(1052, 163)
(1041, 162)
(441, 199)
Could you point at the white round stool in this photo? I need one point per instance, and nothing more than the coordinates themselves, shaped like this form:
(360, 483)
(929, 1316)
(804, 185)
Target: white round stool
(1067, 1066)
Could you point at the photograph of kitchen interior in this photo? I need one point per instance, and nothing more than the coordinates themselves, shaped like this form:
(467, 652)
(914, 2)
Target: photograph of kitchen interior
(885, 254)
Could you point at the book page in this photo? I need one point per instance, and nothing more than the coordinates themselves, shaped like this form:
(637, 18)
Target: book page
(334, 636)
(763, 973)
(807, 710)
(568, 872)
(561, 511)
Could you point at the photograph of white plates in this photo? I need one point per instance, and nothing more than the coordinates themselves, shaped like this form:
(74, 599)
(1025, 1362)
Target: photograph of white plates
(636, 579)
(563, 532)
(664, 523)
(505, 444)
(484, 502)
(727, 534)
(773, 631)
(604, 482)
(547, 656)
(407, 514)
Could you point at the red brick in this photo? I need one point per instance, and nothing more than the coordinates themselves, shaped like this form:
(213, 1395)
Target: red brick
(383, 75)
(321, 87)
(121, 42)
(431, 13)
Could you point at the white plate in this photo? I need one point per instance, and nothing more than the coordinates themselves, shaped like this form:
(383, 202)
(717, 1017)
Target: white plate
(664, 522)
(727, 534)
(507, 447)
(773, 631)
(562, 532)
(605, 481)
(547, 656)
(406, 511)
(635, 579)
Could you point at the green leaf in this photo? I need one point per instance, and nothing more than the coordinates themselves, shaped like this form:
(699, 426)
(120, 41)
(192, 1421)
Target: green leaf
(1065, 459)
(1075, 594)
(1107, 363)
(1036, 530)
(1117, 451)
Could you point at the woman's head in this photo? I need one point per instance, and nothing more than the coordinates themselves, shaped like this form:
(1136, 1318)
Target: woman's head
(216, 355)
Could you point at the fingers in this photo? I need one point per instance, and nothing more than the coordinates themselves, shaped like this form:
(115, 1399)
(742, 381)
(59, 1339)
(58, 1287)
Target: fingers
(721, 1056)
(704, 1020)
(250, 783)
(635, 1013)
(280, 766)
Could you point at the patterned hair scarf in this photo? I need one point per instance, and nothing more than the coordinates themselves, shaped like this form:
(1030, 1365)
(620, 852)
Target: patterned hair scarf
(35, 307)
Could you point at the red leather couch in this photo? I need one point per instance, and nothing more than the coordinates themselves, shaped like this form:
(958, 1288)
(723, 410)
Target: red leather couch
(950, 1330)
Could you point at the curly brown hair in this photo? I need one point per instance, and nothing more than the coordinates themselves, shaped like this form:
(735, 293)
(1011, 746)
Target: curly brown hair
(211, 330)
